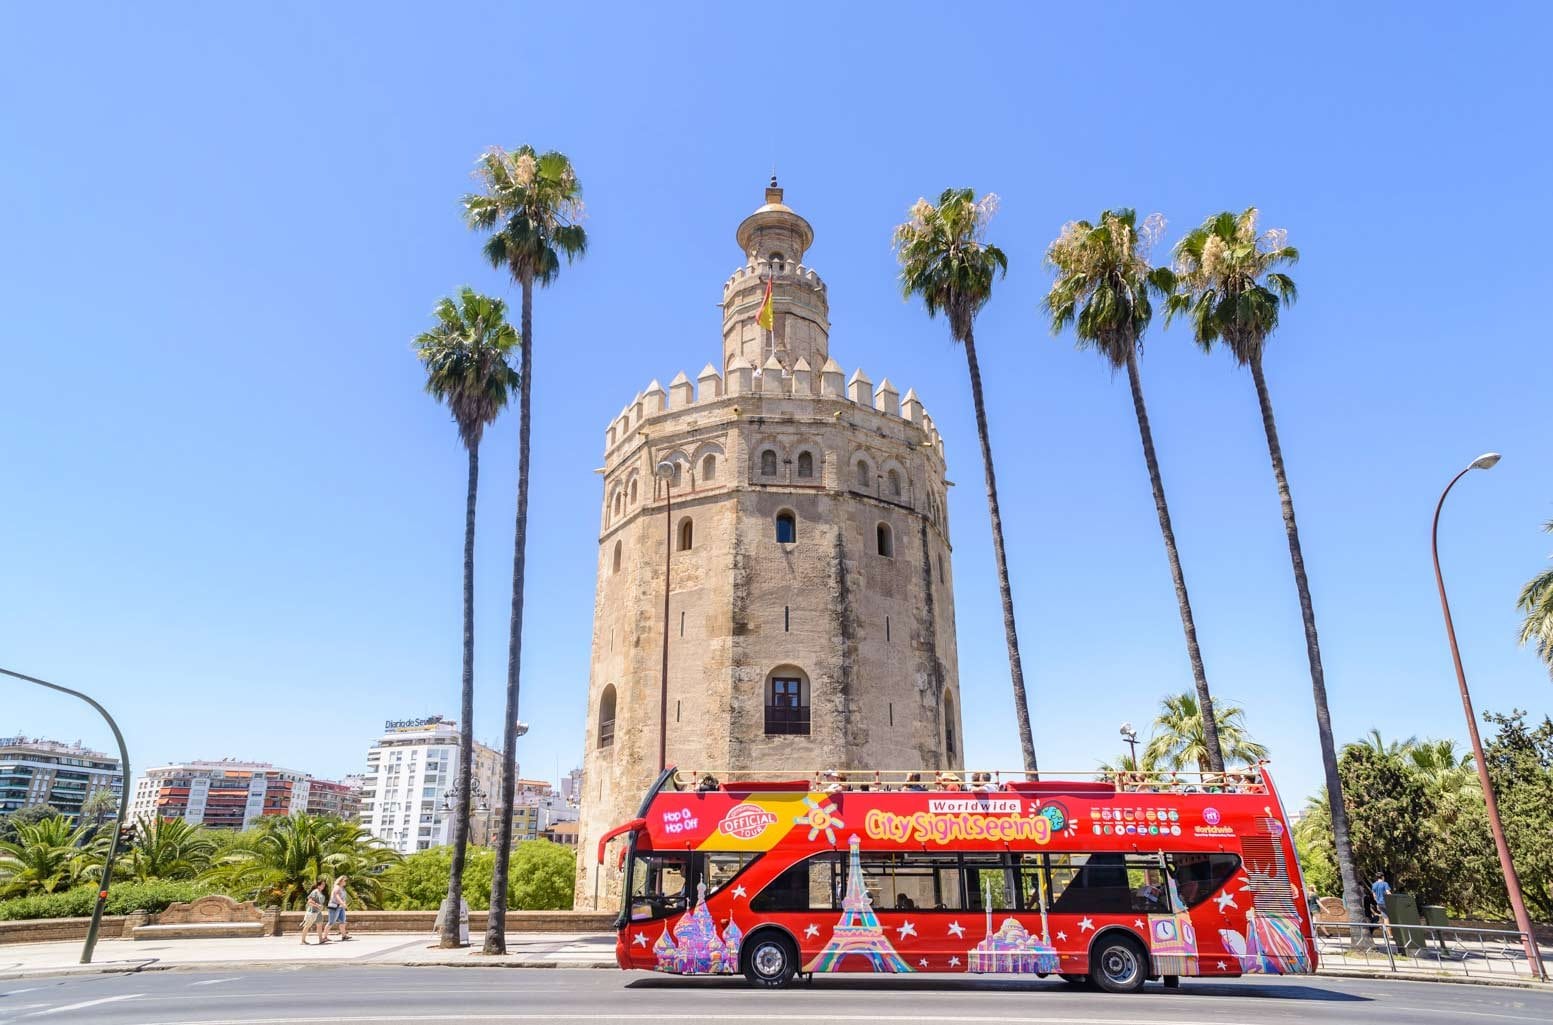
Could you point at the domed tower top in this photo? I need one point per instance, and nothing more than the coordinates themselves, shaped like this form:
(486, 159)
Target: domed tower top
(773, 240)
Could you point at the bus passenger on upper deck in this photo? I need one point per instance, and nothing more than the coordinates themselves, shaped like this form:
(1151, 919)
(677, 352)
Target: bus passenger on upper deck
(830, 782)
(948, 781)
(914, 782)
(981, 782)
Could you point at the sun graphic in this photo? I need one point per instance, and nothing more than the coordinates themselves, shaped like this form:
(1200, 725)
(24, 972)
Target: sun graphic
(822, 818)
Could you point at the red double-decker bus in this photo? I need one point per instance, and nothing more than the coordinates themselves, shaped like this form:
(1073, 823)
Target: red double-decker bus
(1104, 881)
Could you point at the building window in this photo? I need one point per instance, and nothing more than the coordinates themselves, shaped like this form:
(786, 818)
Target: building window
(786, 528)
(949, 745)
(806, 464)
(768, 463)
(787, 703)
(940, 568)
(632, 499)
(617, 558)
(708, 469)
(884, 541)
(607, 717)
(895, 484)
(686, 534)
(864, 474)
(675, 478)
(619, 503)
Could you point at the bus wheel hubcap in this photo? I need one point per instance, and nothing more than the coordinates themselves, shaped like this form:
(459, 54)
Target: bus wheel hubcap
(769, 959)
(1119, 965)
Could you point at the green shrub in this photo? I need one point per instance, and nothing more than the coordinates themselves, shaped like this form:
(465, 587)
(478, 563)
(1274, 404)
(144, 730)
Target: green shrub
(123, 898)
(539, 878)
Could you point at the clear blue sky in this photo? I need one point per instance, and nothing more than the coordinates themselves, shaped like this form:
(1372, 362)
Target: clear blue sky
(227, 507)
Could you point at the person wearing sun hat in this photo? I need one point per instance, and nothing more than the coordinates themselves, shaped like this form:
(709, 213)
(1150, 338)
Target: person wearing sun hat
(830, 782)
(947, 781)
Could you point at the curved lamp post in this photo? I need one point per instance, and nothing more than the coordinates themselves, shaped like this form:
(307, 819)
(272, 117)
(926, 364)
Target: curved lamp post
(1512, 882)
(664, 471)
(113, 838)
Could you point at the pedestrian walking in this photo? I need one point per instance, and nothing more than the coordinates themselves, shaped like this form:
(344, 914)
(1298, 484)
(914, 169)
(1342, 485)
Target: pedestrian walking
(339, 899)
(317, 914)
(1380, 888)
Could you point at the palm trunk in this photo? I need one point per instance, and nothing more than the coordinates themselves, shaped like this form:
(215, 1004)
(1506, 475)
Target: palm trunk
(1353, 899)
(1210, 723)
(466, 710)
(496, 921)
(1010, 634)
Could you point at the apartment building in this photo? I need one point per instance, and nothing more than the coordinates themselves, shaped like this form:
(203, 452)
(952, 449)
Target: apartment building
(407, 794)
(37, 772)
(225, 794)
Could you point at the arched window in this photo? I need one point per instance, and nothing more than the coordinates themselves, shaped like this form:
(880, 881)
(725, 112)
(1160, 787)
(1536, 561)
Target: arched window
(787, 702)
(686, 534)
(708, 469)
(632, 496)
(776, 257)
(806, 464)
(607, 717)
(619, 502)
(768, 463)
(675, 479)
(786, 528)
(616, 568)
(884, 541)
(950, 751)
(864, 474)
(895, 484)
(940, 568)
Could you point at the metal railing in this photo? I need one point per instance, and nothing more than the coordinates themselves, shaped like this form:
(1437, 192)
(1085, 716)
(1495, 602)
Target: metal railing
(1425, 949)
(786, 719)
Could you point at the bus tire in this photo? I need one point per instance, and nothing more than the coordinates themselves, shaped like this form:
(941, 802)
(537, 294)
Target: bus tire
(1118, 963)
(770, 959)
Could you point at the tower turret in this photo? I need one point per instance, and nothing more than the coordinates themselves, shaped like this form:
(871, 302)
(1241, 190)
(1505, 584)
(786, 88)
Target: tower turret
(773, 240)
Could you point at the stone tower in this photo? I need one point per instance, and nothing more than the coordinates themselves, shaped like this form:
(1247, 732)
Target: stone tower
(811, 603)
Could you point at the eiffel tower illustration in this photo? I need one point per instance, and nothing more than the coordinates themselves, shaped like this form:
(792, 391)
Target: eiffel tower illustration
(858, 932)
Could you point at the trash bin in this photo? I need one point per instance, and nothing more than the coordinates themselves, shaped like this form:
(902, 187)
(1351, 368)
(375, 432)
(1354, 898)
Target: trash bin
(1436, 919)
(1406, 927)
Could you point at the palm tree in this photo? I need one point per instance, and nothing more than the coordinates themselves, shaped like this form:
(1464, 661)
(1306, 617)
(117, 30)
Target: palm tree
(1180, 741)
(170, 849)
(465, 357)
(1230, 287)
(532, 205)
(1103, 289)
(48, 855)
(1536, 601)
(99, 806)
(280, 860)
(946, 259)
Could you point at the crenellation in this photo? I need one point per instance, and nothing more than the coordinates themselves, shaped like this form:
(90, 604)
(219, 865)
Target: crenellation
(886, 399)
(709, 384)
(832, 380)
(911, 407)
(803, 377)
(860, 389)
(681, 392)
(654, 399)
(740, 377)
(773, 379)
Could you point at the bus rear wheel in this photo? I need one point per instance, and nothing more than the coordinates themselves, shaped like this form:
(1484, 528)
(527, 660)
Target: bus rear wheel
(1118, 964)
(770, 960)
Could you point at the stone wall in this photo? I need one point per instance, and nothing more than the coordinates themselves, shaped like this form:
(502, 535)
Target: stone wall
(42, 930)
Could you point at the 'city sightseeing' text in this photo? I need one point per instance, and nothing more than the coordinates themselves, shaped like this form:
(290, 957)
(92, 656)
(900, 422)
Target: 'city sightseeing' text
(925, 827)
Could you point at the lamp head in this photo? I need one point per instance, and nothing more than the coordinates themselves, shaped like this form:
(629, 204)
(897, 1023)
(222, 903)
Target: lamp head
(1485, 461)
(664, 470)
(1127, 730)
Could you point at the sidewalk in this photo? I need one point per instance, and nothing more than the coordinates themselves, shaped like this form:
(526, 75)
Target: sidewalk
(525, 950)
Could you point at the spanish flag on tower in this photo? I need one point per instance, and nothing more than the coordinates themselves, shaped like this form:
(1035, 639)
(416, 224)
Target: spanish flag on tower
(767, 317)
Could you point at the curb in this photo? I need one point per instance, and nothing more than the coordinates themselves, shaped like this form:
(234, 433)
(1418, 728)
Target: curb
(1449, 980)
(124, 968)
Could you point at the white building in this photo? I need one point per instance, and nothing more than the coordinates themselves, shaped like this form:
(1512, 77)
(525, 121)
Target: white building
(411, 770)
(38, 772)
(222, 794)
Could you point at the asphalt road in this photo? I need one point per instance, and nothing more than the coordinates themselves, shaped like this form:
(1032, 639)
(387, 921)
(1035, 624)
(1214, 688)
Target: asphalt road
(422, 996)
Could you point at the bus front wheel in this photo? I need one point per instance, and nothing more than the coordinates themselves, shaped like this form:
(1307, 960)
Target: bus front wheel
(770, 960)
(1118, 964)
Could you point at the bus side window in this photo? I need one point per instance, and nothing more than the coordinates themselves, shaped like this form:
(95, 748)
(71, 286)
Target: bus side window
(1199, 876)
(986, 876)
(811, 885)
(659, 884)
(1090, 884)
(719, 868)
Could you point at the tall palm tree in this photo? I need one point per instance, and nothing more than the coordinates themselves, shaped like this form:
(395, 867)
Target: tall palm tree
(278, 862)
(1231, 289)
(466, 359)
(1536, 601)
(48, 855)
(1103, 289)
(532, 206)
(946, 259)
(170, 849)
(1179, 738)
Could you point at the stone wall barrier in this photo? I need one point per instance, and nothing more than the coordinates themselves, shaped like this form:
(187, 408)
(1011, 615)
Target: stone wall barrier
(276, 923)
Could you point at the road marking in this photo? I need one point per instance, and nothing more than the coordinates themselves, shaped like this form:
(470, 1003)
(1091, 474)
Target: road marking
(807, 1019)
(86, 1003)
(212, 982)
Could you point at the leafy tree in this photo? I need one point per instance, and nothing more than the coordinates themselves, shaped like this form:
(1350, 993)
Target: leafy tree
(278, 862)
(946, 259)
(170, 849)
(1536, 603)
(1179, 739)
(48, 855)
(10, 825)
(1313, 844)
(1390, 816)
(1231, 288)
(1520, 766)
(465, 357)
(1103, 290)
(543, 876)
(99, 807)
(532, 206)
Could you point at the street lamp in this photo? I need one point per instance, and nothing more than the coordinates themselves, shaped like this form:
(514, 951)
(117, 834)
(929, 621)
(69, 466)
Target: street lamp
(1512, 882)
(1131, 736)
(118, 827)
(478, 797)
(665, 472)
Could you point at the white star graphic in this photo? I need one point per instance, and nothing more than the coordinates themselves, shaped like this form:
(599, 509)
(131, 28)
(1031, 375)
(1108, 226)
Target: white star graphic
(1084, 924)
(1225, 900)
(956, 929)
(906, 930)
(1222, 966)
(922, 963)
(1062, 935)
(639, 940)
(739, 891)
(954, 962)
(1137, 923)
(811, 932)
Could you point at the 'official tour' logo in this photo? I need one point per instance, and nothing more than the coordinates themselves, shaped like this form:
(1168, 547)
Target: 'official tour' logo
(746, 821)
